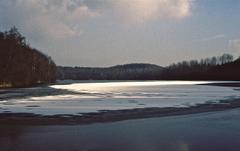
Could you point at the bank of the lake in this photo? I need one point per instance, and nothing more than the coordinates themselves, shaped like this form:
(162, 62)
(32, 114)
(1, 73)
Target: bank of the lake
(206, 131)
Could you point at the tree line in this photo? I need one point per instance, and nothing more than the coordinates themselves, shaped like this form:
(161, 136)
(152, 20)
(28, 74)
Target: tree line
(223, 67)
(119, 72)
(204, 69)
(21, 65)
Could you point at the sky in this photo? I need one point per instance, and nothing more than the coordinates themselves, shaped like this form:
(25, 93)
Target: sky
(99, 33)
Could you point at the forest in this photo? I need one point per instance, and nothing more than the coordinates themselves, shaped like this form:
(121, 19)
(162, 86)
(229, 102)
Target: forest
(132, 71)
(21, 65)
(223, 67)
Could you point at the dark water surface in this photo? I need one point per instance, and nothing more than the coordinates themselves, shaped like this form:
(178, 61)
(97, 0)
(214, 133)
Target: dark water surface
(219, 131)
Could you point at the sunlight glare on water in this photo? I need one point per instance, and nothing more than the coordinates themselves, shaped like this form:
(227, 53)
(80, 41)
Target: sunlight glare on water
(111, 85)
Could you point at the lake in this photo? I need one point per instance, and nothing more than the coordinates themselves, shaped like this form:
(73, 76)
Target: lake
(77, 97)
(217, 131)
(208, 131)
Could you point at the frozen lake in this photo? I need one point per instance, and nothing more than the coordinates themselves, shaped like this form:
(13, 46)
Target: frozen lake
(84, 97)
(216, 131)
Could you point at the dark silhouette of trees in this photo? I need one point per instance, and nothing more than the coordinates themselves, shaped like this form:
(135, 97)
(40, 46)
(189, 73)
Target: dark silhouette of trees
(205, 69)
(214, 68)
(21, 65)
(226, 71)
(119, 72)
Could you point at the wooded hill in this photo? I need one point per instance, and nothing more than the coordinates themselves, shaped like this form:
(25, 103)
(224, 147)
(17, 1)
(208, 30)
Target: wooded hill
(215, 68)
(119, 72)
(21, 65)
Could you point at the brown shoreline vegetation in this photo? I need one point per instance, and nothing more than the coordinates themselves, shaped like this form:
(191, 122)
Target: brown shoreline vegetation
(235, 84)
(113, 116)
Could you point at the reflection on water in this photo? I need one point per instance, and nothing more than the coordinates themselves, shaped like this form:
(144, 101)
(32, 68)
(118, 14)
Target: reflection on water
(112, 85)
(82, 97)
(218, 131)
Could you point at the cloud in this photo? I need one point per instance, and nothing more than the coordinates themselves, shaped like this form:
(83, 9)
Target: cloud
(58, 19)
(48, 18)
(139, 11)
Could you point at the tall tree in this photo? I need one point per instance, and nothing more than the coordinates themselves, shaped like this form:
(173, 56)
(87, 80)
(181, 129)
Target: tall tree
(21, 65)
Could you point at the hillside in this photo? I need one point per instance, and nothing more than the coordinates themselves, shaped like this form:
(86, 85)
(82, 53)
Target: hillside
(133, 66)
(119, 72)
(21, 65)
(215, 68)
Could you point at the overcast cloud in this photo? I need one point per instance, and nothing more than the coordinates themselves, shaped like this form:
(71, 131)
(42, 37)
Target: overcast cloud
(48, 18)
(75, 31)
(63, 18)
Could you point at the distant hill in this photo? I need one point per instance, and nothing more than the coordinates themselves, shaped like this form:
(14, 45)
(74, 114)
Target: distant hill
(21, 65)
(214, 68)
(136, 71)
(134, 66)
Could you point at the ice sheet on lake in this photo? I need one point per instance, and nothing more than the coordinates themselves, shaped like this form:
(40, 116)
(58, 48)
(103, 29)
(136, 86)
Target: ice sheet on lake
(92, 97)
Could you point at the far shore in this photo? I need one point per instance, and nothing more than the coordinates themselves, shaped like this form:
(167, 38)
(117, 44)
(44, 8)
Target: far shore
(228, 84)
(113, 116)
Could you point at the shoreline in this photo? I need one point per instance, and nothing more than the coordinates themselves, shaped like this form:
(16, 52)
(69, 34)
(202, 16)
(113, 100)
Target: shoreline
(231, 83)
(114, 116)
(227, 84)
